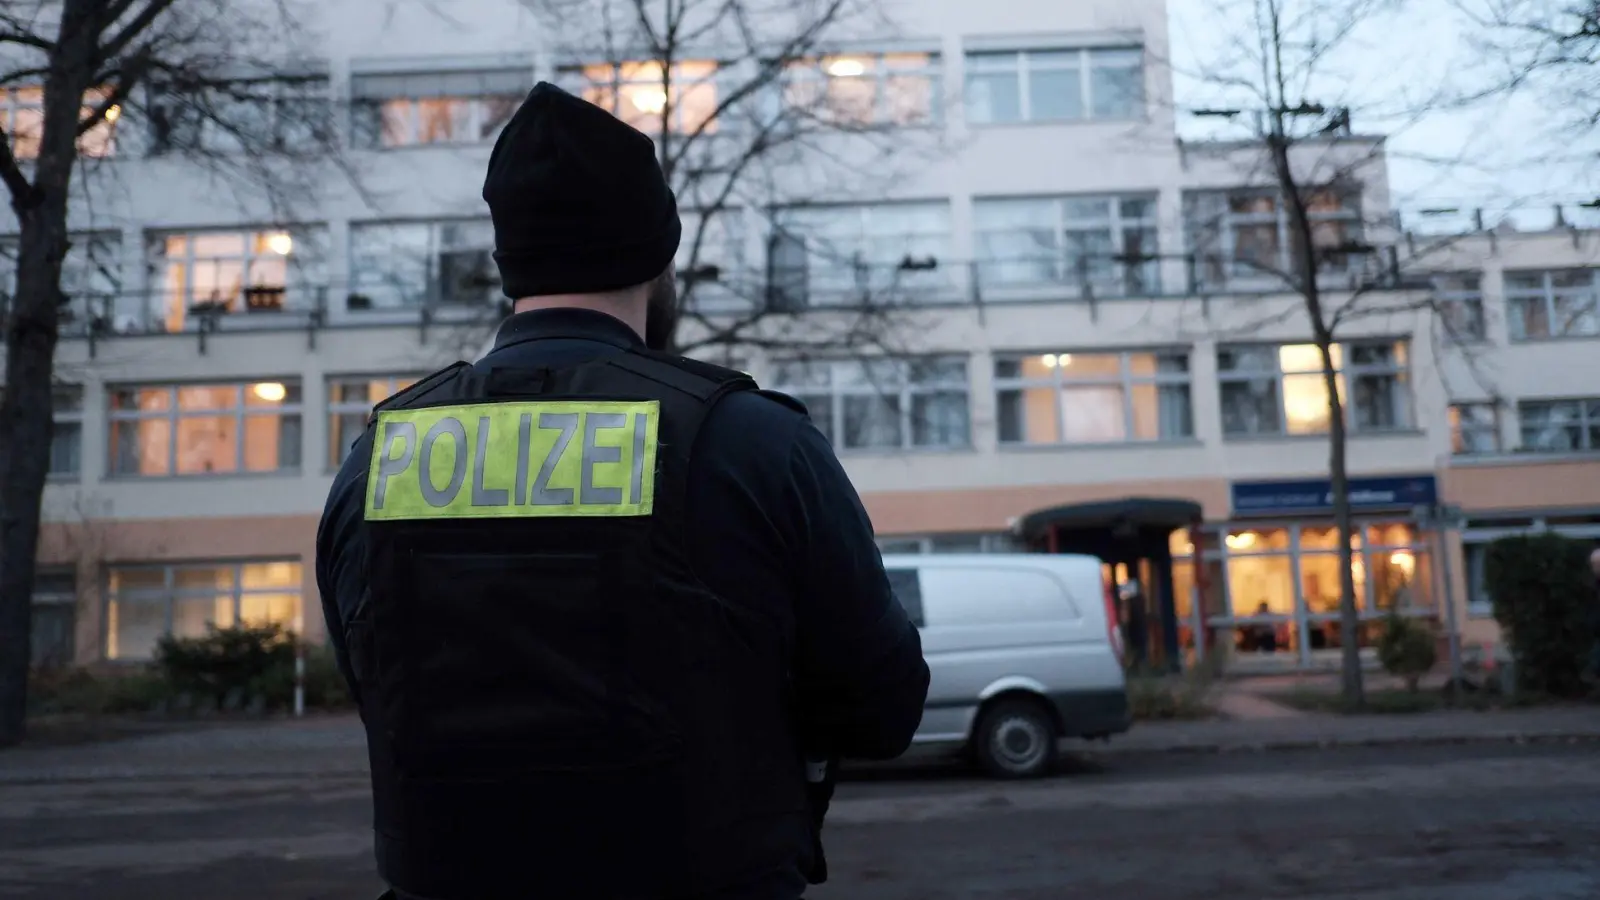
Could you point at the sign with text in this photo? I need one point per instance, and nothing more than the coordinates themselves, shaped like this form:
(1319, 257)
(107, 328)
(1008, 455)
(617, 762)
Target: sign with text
(1314, 495)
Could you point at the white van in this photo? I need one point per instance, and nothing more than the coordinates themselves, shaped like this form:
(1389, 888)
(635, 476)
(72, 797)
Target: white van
(1023, 649)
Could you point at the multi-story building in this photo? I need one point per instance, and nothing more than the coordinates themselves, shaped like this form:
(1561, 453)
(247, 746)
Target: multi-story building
(1091, 352)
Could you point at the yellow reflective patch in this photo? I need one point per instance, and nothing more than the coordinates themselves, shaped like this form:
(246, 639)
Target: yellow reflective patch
(514, 460)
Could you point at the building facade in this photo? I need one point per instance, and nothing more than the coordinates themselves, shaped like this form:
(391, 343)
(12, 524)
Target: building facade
(1084, 312)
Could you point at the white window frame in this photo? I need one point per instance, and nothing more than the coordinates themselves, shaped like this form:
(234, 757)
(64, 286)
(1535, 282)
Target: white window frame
(829, 378)
(1460, 299)
(1346, 372)
(91, 277)
(339, 450)
(239, 412)
(1023, 63)
(1225, 268)
(1121, 275)
(170, 593)
(1587, 421)
(304, 247)
(830, 252)
(1546, 297)
(927, 544)
(803, 77)
(487, 95)
(443, 236)
(1125, 380)
(1464, 421)
(67, 421)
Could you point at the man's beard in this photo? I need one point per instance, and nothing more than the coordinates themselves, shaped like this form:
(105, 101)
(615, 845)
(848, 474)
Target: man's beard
(661, 312)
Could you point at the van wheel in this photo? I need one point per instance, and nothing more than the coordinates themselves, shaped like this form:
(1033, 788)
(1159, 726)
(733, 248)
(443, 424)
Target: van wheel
(1015, 739)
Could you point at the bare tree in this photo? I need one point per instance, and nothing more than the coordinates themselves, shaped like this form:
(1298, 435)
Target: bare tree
(184, 69)
(756, 107)
(1333, 255)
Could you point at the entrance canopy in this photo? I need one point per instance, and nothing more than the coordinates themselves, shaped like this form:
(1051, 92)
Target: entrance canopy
(1098, 527)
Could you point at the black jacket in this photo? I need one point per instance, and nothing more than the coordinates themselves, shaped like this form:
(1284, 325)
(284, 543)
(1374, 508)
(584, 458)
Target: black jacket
(777, 526)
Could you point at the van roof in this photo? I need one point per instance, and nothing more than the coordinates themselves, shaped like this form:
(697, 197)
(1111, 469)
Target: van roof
(1055, 561)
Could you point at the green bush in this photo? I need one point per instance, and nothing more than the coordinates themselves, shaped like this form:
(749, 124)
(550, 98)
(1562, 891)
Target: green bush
(1407, 648)
(1187, 696)
(79, 691)
(230, 668)
(1543, 591)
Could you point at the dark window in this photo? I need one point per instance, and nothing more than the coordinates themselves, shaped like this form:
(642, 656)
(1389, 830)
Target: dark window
(908, 590)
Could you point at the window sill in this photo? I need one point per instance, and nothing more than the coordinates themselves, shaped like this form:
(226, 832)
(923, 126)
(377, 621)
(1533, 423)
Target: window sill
(885, 452)
(1138, 119)
(118, 478)
(1553, 339)
(1514, 457)
(64, 478)
(1396, 433)
(1178, 444)
(1480, 611)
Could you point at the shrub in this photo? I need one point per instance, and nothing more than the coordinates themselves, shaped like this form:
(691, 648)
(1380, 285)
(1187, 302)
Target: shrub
(1186, 696)
(79, 691)
(1407, 648)
(1543, 597)
(230, 668)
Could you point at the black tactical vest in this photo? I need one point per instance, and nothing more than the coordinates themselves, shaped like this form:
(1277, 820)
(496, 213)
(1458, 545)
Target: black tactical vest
(555, 705)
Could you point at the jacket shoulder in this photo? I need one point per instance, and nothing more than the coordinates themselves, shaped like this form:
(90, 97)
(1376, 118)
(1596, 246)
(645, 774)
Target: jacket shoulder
(424, 386)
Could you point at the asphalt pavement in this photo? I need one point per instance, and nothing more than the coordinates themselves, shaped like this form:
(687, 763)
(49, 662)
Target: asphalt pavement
(1497, 821)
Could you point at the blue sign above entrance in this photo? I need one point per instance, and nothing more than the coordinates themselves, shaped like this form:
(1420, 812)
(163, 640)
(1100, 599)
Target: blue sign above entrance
(1316, 496)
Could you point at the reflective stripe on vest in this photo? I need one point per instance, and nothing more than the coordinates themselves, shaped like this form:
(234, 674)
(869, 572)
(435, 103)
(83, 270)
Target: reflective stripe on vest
(514, 460)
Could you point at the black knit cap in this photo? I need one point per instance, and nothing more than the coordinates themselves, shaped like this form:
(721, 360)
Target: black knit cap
(579, 203)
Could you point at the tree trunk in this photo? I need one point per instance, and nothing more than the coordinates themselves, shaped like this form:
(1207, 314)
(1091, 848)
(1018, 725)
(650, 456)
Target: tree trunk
(1304, 268)
(31, 333)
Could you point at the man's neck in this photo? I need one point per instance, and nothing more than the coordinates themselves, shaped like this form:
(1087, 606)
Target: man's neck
(627, 311)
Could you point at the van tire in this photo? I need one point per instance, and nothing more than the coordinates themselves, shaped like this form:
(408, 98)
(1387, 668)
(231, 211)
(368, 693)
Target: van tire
(1015, 738)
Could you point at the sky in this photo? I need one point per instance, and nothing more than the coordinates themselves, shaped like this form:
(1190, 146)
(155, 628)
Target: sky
(1404, 70)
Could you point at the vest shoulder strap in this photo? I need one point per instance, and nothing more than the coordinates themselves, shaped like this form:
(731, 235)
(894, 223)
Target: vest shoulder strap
(703, 381)
(424, 386)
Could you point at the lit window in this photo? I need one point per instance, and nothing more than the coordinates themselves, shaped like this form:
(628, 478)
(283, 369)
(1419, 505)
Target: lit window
(205, 429)
(215, 273)
(147, 603)
(22, 122)
(865, 89)
(644, 94)
(883, 403)
(422, 108)
(1076, 398)
(350, 403)
(1280, 390)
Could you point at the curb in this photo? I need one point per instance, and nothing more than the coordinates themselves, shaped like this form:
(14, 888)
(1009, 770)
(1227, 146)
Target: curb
(1332, 743)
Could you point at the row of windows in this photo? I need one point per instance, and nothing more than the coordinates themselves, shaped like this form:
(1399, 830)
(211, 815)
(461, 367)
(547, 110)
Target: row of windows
(692, 96)
(1042, 399)
(145, 602)
(1106, 245)
(1539, 304)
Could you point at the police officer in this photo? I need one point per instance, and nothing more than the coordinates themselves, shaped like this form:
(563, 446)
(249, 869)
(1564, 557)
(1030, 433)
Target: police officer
(598, 604)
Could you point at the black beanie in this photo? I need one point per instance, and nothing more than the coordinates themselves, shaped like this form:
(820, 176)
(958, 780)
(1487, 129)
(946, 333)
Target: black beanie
(579, 203)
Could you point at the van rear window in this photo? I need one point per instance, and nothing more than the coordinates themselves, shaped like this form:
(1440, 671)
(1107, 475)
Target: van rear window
(907, 589)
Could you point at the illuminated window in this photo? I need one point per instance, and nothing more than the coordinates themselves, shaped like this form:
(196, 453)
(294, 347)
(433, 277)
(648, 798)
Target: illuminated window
(216, 273)
(1072, 398)
(146, 603)
(1280, 390)
(1054, 85)
(421, 108)
(644, 94)
(883, 403)
(350, 402)
(22, 122)
(865, 89)
(1106, 243)
(205, 429)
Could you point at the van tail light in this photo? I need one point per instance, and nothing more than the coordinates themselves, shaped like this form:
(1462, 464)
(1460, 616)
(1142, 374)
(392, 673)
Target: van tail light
(1114, 627)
